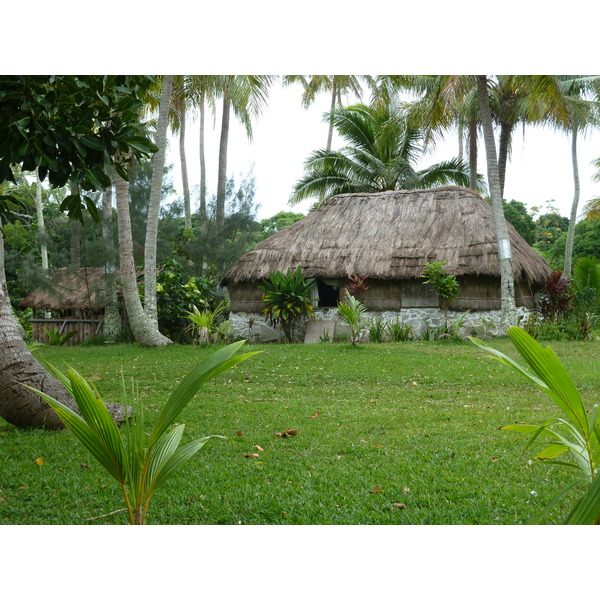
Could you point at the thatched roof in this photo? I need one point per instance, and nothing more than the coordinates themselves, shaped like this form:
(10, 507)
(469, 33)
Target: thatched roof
(390, 235)
(70, 289)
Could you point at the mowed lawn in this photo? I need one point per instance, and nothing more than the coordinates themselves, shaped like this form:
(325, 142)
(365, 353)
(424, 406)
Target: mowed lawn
(403, 433)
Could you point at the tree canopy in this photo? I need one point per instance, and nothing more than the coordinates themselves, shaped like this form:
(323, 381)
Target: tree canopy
(70, 128)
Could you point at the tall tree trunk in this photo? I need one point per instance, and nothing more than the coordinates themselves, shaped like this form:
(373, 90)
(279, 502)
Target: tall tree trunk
(158, 164)
(112, 315)
(222, 173)
(75, 239)
(184, 173)
(505, 133)
(473, 153)
(333, 99)
(507, 287)
(39, 208)
(461, 151)
(568, 266)
(202, 167)
(144, 330)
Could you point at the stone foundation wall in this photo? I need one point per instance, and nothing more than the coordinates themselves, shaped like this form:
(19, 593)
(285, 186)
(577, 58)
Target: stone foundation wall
(254, 327)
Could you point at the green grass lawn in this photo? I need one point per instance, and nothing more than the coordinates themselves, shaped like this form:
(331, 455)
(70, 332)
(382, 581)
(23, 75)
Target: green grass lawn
(402, 433)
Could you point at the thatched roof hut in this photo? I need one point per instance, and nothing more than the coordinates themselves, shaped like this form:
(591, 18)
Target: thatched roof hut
(388, 237)
(70, 290)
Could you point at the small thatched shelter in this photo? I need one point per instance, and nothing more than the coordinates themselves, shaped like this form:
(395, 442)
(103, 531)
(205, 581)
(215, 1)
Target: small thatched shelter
(388, 237)
(76, 299)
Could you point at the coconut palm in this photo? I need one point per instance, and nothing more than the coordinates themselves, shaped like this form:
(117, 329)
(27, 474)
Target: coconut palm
(337, 85)
(201, 90)
(565, 102)
(507, 284)
(158, 163)
(381, 149)
(246, 95)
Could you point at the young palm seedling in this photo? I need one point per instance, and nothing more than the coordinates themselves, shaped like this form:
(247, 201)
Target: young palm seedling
(574, 435)
(140, 464)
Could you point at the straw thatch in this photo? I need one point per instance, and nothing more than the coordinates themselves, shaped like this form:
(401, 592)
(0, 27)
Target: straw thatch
(390, 236)
(70, 289)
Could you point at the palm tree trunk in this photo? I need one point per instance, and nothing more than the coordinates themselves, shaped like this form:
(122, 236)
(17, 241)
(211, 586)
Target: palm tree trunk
(158, 164)
(20, 406)
(568, 265)
(184, 173)
(75, 239)
(473, 153)
(333, 99)
(40, 220)
(507, 289)
(202, 166)
(143, 328)
(505, 133)
(222, 173)
(112, 316)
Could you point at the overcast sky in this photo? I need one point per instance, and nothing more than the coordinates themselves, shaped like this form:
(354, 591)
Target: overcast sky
(540, 167)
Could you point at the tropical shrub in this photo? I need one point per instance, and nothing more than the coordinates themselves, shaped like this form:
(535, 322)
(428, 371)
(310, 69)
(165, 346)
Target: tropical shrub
(446, 286)
(178, 293)
(203, 326)
(141, 464)
(57, 338)
(353, 312)
(558, 297)
(574, 435)
(399, 332)
(356, 284)
(286, 299)
(377, 330)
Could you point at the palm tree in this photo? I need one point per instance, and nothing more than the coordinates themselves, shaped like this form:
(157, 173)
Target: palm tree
(177, 119)
(158, 163)
(507, 285)
(246, 95)
(337, 85)
(561, 101)
(142, 326)
(381, 150)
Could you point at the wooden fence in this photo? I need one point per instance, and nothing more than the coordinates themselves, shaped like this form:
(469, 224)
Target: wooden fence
(83, 328)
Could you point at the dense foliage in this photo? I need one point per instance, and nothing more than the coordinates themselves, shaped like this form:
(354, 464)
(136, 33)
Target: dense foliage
(286, 299)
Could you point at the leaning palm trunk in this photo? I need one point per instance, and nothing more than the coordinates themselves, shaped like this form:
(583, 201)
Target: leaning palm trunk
(20, 406)
(507, 285)
(144, 330)
(158, 163)
(568, 265)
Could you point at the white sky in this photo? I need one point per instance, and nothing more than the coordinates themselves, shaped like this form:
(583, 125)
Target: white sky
(540, 167)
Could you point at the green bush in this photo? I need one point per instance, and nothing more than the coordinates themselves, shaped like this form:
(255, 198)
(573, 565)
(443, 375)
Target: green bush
(286, 299)
(445, 286)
